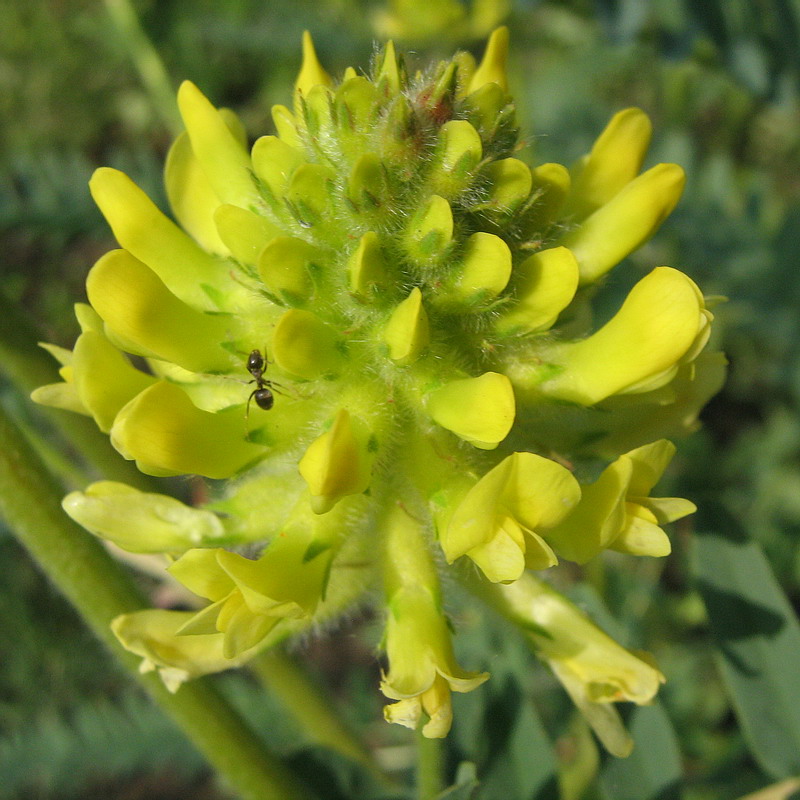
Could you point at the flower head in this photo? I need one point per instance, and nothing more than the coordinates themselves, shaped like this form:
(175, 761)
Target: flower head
(372, 330)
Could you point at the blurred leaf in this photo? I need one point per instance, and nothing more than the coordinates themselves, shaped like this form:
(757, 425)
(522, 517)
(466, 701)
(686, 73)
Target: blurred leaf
(465, 785)
(506, 739)
(60, 756)
(758, 637)
(653, 770)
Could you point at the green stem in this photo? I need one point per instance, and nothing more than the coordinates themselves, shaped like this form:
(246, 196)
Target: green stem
(309, 706)
(147, 61)
(101, 590)
(430, 765)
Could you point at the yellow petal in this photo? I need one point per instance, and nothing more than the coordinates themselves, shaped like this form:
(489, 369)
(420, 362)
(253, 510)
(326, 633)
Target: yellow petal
(545, 284)
(148, 235)
(419, 647)
(644, 341)
(316, 109)
(88, 318)
(338, 463)
(137, 306)
(153, 635)
(60, 395)
(550, 183)
(438, 706)
(366, 184)
(615, 160)
(285, 266)
(407, 712)
(406, 333)
(284, 581)
(367, 266)
(141, 522)
(223, 159)
(501, 559)
(199, 571)
(104, 378)
(492, 68)
(458, 154)
(244, 232)
(523, 491)
(603, 718)
(628, 220)
(649, 463)
(309, 193)
(60, 354)
(431, 229)
(311, 72)
(274, 161)
(479, 410)
(642, 537)
(510, 183)
(599, 517)
(582, 655)
(389, 72)
(485, 268)
(460, 146)
(244, 630)
(191, 196)
(286, 125)
(161, 428)
(668, 509)
(356, 98)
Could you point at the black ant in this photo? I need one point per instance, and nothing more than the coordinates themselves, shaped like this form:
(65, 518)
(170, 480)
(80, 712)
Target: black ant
(256, 366)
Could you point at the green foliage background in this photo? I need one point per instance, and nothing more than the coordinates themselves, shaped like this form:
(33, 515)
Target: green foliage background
(720, 80)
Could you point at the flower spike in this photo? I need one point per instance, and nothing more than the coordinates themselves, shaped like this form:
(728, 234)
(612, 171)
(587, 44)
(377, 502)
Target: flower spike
(369, 339)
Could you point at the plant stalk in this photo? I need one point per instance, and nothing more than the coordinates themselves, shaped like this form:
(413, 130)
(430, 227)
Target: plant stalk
(430, 767)
(147, 61)
(101, 590)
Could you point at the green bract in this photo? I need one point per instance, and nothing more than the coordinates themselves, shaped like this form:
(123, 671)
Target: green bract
(374, 329)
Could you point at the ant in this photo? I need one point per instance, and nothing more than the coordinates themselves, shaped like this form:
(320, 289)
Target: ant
(256, 366)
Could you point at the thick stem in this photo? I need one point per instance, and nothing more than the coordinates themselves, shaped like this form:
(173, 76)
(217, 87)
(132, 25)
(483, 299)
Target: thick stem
(100, 589)
(430, 767)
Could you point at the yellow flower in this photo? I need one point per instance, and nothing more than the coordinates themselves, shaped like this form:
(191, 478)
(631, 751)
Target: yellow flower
(142, 522)
(593, 668)
(501, 521)
(662, 324)
(616, 511)
(423, 670)
(153, 635)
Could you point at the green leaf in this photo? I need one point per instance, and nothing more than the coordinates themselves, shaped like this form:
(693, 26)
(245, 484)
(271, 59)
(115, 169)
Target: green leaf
(758, 640)
(653, 770)
(514, 756)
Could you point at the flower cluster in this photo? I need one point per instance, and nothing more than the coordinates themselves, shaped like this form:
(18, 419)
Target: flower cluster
(374, 331)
